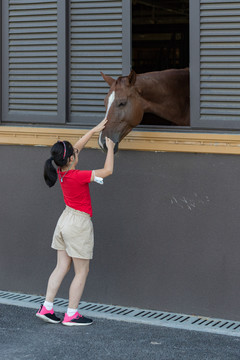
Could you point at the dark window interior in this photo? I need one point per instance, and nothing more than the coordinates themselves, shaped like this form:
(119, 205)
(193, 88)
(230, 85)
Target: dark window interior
(160, 39)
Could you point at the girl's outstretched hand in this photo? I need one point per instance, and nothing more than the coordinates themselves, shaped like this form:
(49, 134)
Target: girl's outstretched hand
(109, 143)
(100, 126)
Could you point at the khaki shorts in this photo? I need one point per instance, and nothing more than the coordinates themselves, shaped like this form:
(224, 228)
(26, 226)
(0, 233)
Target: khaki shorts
(74, 234)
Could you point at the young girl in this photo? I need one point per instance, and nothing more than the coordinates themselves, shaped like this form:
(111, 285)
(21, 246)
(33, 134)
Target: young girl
(73, 236)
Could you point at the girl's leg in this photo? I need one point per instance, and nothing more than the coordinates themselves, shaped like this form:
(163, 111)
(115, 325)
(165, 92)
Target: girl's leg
(81, 267)
(58, 274)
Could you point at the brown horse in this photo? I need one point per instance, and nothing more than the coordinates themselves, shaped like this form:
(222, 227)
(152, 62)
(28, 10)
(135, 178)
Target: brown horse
(163, 93)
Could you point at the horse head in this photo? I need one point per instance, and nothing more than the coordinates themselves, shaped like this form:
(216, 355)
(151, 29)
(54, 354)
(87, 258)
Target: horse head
(123, 109)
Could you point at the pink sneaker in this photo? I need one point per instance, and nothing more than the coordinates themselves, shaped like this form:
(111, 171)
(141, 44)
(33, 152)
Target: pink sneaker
(47, 315)
(76, 320)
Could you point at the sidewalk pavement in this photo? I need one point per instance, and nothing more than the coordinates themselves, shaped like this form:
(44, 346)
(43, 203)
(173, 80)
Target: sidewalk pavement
(24, 336)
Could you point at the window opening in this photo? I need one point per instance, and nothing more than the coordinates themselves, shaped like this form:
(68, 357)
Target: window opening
(160, 39)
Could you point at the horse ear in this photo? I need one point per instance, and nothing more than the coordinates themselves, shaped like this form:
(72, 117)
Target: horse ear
(132, 77)
(108, 79)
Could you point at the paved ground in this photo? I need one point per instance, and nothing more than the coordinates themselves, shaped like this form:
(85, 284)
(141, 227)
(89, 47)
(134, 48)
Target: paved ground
(24, 336)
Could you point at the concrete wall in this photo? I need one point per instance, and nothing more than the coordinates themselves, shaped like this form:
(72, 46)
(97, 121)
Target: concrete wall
(166, 230)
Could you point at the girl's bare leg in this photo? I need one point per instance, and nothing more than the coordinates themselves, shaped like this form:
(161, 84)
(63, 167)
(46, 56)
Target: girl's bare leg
(58, 274)
(81, 267)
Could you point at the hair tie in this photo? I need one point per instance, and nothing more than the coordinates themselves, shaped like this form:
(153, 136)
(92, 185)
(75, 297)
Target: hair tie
(64, 145)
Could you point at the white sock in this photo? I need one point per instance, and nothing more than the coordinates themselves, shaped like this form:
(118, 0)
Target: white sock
(71, 312)
(48, 305)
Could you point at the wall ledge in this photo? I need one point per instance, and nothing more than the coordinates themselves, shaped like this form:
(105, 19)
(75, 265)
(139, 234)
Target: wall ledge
(136, 140)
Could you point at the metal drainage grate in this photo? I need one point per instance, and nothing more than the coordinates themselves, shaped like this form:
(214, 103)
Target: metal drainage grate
(150, 317)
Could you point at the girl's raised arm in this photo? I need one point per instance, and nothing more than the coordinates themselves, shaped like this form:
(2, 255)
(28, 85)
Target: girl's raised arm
(84, 140)
(109, 162)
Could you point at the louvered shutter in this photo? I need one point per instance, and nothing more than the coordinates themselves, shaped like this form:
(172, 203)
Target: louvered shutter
(96, 35)
(34, 61)
(215, 70)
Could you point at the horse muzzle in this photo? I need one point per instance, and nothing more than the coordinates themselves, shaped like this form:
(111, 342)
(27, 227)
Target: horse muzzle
(102, 143)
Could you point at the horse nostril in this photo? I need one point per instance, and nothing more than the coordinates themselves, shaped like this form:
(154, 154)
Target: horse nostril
(116, 148)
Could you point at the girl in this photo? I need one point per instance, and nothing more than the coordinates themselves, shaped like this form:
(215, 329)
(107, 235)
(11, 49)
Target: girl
(73, 236)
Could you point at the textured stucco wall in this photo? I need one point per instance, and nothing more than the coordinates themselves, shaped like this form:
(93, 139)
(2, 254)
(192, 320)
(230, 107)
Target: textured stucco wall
(166, 230)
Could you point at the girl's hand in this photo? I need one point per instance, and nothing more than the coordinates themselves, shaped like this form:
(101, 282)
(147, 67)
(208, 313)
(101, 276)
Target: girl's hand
(109, 143)
(100, 126)
(84, 140)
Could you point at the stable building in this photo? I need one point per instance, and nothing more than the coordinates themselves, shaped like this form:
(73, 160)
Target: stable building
(166, 223)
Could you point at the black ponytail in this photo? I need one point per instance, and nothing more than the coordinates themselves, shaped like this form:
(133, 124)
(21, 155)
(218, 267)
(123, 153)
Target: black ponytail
(50, 173)
(61, 152)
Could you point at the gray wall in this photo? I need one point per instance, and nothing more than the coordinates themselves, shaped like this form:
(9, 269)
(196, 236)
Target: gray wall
(166, 230)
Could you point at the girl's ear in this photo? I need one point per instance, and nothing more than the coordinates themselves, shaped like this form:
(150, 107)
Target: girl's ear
(70, 160)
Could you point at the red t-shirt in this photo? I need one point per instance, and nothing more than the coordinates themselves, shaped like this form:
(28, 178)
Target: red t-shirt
(75, 188)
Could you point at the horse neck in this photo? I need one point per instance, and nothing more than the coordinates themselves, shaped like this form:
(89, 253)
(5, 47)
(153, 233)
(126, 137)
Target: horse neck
(144, 83)
(155, 87)
(152, 83)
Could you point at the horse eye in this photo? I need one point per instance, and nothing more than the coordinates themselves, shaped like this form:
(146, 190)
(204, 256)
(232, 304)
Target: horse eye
(122, 103)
